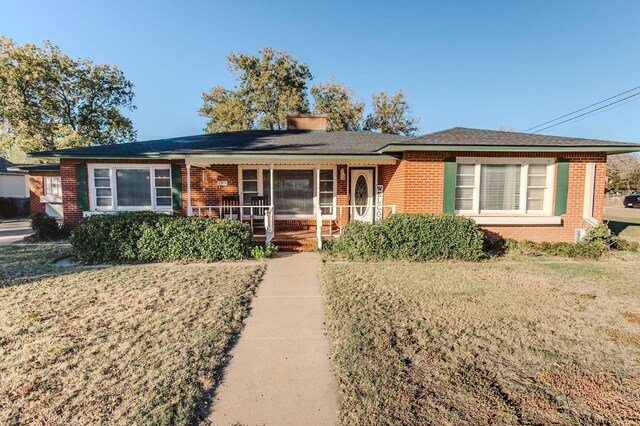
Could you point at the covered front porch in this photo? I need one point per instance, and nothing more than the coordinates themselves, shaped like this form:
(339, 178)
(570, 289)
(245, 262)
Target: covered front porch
(293, 204)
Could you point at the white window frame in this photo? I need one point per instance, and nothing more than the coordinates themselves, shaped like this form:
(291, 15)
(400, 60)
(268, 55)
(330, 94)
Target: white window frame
(48, 185)
(524, 184)
(114, 190)
(261, 168)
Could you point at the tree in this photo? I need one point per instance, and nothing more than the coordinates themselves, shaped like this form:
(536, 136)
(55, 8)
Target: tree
(335, 100)
(623, 173)
(391, 114)
(270, 87)
(51, 101)
(227, 111)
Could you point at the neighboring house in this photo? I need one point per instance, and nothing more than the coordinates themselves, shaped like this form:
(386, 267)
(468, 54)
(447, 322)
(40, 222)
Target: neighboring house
(13, 184)
(522, 186)
(45, 188)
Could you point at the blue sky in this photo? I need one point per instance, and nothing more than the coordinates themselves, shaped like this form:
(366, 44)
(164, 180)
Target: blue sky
(461, 63)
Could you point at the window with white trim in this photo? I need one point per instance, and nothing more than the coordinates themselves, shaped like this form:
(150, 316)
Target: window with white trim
(102, 188)
(326, 192)
(294, 189)
(52, 186)
(131, 187)
(494, 186)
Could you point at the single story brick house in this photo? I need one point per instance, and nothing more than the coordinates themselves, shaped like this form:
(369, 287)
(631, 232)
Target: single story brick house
(303, 184)
(44, 187)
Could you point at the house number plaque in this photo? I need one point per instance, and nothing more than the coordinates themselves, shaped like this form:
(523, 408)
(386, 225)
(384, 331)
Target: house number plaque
(379, 199)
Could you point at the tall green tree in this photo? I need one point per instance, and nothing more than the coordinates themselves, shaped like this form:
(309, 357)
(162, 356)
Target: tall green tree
(227, 111)
(50, 100)
(391, 114)
(335, 100)
(270, 86)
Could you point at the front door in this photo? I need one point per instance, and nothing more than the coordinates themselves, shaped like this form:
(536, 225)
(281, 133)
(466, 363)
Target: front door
(362, 186)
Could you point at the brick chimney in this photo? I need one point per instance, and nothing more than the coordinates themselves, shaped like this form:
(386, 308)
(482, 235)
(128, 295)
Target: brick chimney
(307, 122)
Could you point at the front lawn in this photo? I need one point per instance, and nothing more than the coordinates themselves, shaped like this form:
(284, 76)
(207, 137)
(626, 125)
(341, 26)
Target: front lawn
(518, 340)
(120, 345)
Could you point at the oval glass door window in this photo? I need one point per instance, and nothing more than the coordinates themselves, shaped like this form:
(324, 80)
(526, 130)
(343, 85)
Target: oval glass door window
(361, 196)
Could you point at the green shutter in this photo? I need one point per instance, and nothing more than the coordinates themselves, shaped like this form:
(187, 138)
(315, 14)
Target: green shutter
(176, 185)
(449, 193)
(562, 186)
(82, 191)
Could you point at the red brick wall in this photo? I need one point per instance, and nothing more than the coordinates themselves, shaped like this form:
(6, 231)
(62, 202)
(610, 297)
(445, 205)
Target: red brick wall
(204, 184)
(416, 185)
(36, 190)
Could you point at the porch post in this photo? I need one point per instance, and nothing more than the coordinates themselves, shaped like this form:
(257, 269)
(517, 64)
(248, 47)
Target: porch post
(189, 208)
(272, 219)
(318, 210)
(271, 196)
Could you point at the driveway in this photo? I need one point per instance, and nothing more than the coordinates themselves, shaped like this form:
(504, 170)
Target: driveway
(622, 214)
(12, 231)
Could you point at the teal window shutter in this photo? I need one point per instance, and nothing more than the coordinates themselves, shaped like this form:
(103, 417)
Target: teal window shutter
(176, 186)
(449, 193)
(562, 186)
(82, 188)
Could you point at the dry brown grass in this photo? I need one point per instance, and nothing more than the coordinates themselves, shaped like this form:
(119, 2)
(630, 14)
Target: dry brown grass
(121, 345)
(518, 340)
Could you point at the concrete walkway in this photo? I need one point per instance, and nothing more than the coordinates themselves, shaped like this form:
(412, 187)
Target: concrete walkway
(12, 231)
(280, 372)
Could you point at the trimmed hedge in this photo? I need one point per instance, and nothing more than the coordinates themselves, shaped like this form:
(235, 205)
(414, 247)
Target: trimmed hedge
(416, 237)
(153, 237)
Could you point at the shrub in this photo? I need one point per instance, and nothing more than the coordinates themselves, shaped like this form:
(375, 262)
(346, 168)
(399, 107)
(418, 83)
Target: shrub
(147, 236)
(111, 237)
(413, 236)
(582, 250)
(264, 252)
(45, 227)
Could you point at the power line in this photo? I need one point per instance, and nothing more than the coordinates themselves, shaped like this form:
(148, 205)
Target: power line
(581, 109)
(587, 113)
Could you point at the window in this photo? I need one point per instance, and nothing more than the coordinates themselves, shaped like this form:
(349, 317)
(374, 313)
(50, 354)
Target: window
(102, 184)
(52, 186)
(294, 190)
(465, 183)
(131, 187)
(500, 187)
(326, 192)
(163, 187)
(536, 187)
(490, 186)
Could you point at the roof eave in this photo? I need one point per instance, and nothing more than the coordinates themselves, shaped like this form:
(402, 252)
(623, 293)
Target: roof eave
(509, 148)
(371, 156)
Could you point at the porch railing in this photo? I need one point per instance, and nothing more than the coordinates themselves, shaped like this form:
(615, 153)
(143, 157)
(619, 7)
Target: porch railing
(251, 214)
(265, 216)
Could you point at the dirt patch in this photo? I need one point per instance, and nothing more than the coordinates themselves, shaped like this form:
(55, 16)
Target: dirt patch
(632, 317)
